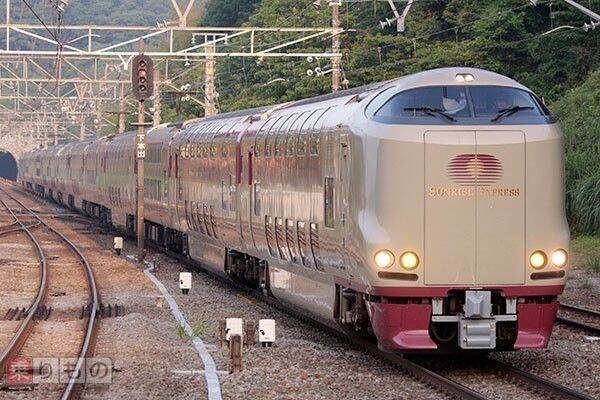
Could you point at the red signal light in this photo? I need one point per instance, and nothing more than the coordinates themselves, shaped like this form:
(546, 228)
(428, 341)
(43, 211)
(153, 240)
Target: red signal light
(142, 77)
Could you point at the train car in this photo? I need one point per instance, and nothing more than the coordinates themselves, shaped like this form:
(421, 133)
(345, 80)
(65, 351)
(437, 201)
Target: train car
(427, 211)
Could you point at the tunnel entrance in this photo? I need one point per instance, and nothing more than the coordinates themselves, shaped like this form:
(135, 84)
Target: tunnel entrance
(8, 166)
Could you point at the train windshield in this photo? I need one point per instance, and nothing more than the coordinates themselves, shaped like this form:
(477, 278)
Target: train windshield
(469, 105)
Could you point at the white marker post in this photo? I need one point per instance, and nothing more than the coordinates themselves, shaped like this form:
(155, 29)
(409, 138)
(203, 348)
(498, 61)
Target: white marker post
(185, 282)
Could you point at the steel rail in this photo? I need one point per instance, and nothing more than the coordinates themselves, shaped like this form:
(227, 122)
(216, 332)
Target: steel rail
(73, 387)
(25, 327)
(543, 384)
(442, 383)
(595, 329)
(572, 307)
(451, 387)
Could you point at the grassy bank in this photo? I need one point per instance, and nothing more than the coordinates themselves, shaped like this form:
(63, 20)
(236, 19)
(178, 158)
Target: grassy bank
(585, 251)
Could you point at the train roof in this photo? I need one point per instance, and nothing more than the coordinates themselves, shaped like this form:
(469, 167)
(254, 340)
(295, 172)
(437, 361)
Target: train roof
(455, 76)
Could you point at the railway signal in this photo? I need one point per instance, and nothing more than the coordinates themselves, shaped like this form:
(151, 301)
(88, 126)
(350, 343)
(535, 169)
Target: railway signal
(142, 77)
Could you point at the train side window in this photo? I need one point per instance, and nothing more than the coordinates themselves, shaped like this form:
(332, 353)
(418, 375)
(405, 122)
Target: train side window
(270, 137)
(304, 132)
(259, 144)
(281, 136)
(213, 224)
(206, 220)
(198, 219)
(294, 132)
(257, 202)
(187, 215)
(290, 237)
(280, 239)
(192, 219)
(224, 190)
(231, 193)
(329, 202)
(279, 141)
(315, 244)
(224, 150)
(315, 134)
(269, 235)
(269, 144)
(301, 232)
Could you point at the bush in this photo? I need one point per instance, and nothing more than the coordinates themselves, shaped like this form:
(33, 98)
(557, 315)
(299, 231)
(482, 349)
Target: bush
(579, 114)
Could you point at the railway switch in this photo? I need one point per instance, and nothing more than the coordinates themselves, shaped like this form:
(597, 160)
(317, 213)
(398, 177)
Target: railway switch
(185, 282)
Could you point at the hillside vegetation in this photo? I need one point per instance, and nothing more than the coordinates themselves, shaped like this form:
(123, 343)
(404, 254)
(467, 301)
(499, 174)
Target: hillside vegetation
(579, 113)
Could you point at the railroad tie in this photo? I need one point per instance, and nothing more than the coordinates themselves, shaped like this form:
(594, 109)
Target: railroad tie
(105, 311)
(10, 314)
(21, 314)
(42, 313)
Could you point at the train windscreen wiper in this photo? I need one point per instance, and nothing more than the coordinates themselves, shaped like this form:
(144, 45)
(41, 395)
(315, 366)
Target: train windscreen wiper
(434, 112)
(507, 112)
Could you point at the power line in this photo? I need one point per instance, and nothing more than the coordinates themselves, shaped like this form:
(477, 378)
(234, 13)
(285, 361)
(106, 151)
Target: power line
(41, 21)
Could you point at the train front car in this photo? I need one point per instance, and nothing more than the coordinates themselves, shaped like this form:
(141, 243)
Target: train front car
(462, 213)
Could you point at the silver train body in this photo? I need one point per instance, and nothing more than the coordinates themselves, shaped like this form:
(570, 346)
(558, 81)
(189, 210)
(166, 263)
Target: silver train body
(427, 211)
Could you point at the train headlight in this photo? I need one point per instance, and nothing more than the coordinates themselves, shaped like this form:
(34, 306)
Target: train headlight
(538, 259)
(384, 258)
(559, 258)
(409, 260)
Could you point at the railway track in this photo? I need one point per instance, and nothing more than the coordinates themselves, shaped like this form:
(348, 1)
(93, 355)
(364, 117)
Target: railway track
(584, 316)
(73, 388)
(450, 387)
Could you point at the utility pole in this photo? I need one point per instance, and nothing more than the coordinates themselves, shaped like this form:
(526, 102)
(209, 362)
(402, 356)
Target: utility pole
(210, 93)
(122, 109)
(157, 104)
(82, 127)
(140, 192)
(336, 60)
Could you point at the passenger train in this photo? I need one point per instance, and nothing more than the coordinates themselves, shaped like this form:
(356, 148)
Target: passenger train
(427, 211)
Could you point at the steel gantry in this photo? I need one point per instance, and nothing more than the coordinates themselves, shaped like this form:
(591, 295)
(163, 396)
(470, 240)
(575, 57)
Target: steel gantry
(77, 78)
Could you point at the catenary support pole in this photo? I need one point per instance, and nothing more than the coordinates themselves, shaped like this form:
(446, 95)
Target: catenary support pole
(210, 93)
(336, 60)
(122, 109)
(157, 103)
